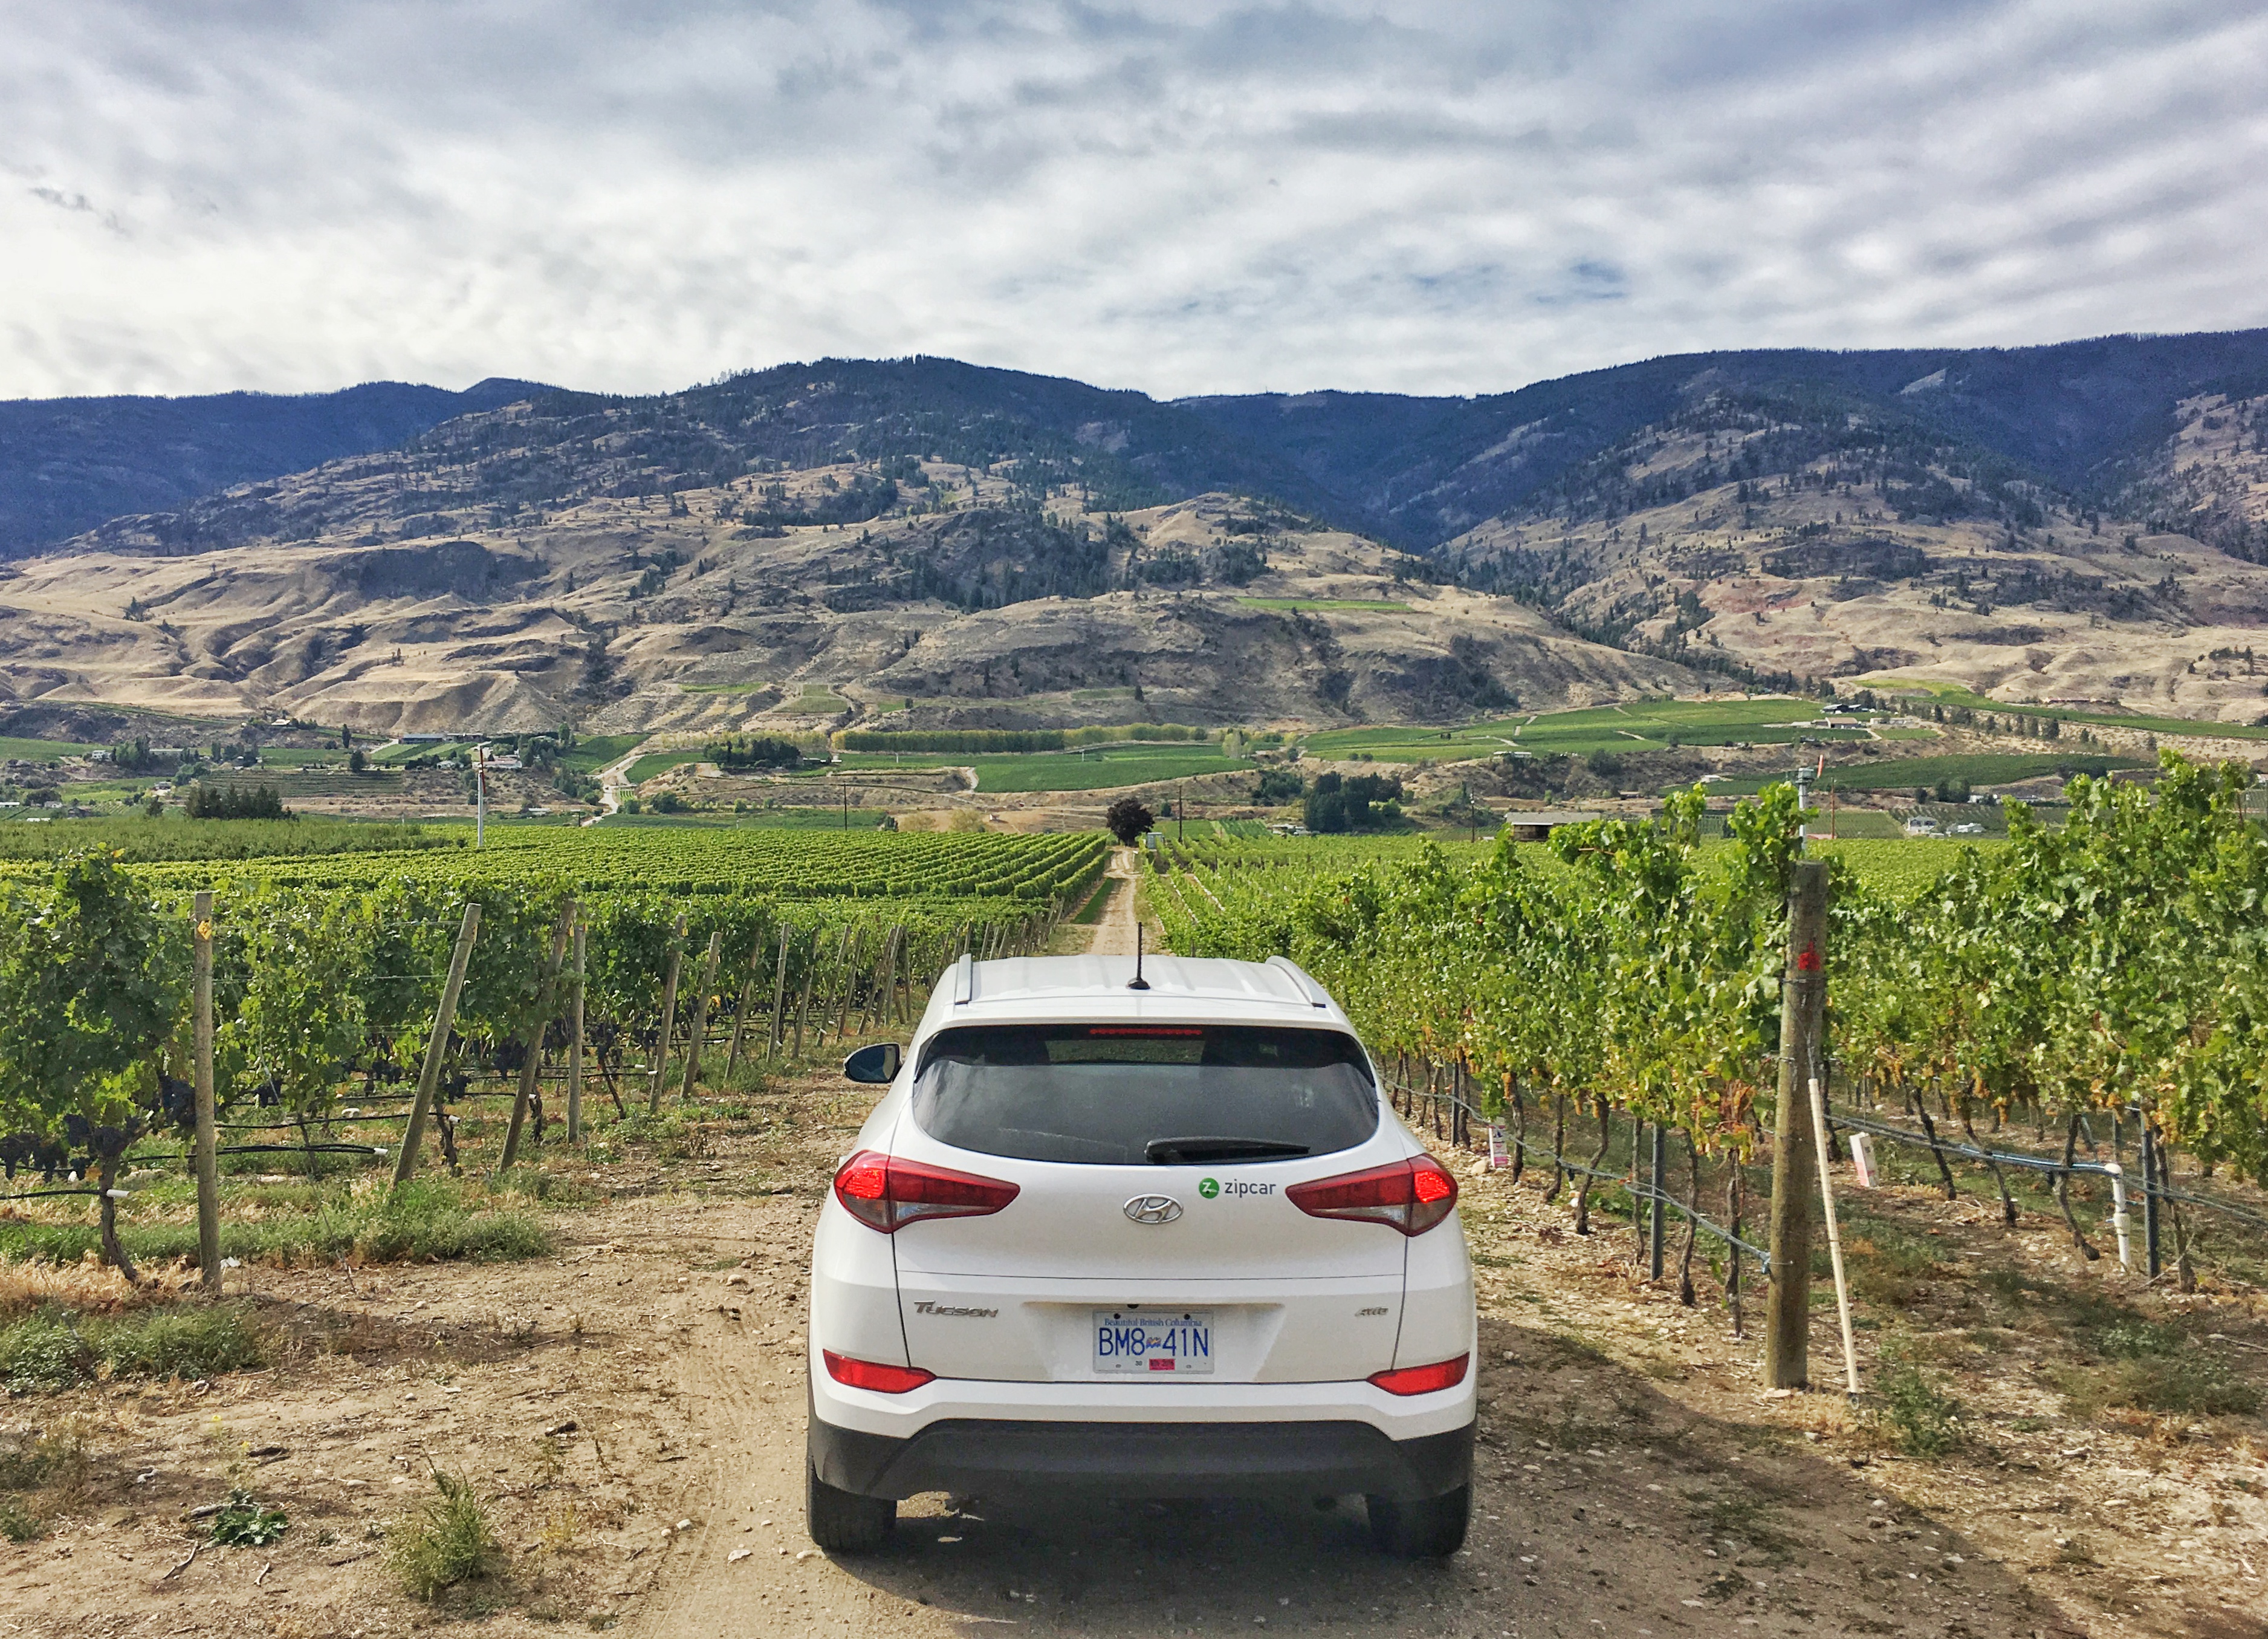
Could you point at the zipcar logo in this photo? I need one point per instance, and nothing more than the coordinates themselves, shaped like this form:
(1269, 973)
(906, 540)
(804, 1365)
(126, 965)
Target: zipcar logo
(1154, 1209)
(1210, 1187)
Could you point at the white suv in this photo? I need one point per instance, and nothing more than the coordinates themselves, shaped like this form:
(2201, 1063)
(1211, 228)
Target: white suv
(1146, 1233)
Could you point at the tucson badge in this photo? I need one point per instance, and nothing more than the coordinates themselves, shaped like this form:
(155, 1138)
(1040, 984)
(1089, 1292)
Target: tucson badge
(1154, 1209)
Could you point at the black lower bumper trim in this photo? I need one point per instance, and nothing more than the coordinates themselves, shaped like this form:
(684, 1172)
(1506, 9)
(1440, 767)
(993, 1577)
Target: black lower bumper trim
(988, 1456)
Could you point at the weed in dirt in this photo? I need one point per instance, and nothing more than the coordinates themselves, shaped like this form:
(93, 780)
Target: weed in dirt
(2132, 1339)
(446, 1542)
(2191, 1384)
(1745, 1522)
(56, 1349)
(17, 1523)
(59, 1458)
(1917, 1416)
(242, 1523)
(561, 1526)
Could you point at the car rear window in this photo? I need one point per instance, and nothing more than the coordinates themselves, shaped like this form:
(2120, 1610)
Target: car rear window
(1119, 1094)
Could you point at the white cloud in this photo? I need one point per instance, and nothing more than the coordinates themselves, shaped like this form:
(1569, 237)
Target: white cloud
(1179, 197)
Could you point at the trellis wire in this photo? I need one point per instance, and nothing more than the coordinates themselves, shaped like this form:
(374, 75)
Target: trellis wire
(1629, 1186)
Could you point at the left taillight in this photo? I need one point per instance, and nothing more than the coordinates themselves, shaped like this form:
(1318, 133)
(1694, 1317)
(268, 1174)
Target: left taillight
(1411, 1196)
(886, 1193)
(870, 1374)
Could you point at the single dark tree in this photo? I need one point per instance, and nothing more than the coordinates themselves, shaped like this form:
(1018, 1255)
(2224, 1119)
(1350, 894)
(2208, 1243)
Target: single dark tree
(1128, 818)
(356, 761)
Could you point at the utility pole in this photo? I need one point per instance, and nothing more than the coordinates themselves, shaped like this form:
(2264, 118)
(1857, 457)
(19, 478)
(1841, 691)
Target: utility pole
(1803, 998)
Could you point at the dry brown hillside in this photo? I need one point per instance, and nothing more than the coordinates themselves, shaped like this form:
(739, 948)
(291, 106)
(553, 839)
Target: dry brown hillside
(672, 611)
(1823, 570)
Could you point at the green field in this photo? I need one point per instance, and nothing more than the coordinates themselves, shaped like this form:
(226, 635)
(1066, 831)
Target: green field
(1953, 694)
(590, 755)
(1642, 726)
(1907, 773)
(39, 751)
(761, 819)
(1095, 769)
(656, 763)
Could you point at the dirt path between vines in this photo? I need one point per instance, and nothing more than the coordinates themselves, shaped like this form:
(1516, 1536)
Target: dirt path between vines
(1114, 934)
(631, 1411)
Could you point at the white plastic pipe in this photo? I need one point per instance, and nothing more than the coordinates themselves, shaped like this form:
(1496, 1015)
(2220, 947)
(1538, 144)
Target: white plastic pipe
(2118, 1210)
(1834, 1236)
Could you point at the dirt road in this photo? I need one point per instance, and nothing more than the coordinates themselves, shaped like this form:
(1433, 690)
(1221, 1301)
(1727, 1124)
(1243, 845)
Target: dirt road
(1113, 934)
(631, 1411)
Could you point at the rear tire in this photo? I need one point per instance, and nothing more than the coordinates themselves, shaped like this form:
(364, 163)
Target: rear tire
(843, 1522)
(1432, 1528)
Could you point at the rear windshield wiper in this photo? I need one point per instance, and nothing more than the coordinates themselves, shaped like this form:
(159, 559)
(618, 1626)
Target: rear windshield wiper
(1167, 1152)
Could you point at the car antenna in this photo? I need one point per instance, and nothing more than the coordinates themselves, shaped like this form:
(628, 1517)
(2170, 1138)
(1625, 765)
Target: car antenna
(1137, 982)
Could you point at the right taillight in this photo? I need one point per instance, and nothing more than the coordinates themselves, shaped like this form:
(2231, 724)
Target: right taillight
(886, 1193)
(1411, 1196)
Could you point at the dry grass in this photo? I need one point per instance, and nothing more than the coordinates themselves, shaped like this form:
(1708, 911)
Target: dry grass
(86, 1288)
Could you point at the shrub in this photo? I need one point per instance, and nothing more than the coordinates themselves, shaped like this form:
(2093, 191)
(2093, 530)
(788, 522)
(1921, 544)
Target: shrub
(242, 1523)
(446, 1541)
(1922, 1420)
(17, 1523)
(1278, 785)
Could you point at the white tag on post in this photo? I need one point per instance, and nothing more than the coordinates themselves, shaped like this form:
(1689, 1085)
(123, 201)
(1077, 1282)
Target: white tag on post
(1862, 1159)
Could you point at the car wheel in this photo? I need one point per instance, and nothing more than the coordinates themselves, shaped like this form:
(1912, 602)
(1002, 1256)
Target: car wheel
(1430, 1528)
(843, 1522)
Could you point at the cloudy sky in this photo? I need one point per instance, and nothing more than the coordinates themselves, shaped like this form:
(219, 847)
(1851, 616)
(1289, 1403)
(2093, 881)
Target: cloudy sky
(294, 194)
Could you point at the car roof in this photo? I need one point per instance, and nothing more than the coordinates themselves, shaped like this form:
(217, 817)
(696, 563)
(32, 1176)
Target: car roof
(1186, 989)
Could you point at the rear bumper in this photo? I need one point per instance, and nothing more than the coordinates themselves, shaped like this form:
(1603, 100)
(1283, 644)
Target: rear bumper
(992, 1456)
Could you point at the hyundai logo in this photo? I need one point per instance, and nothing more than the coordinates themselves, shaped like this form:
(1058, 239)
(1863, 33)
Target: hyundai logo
(1154, 1209)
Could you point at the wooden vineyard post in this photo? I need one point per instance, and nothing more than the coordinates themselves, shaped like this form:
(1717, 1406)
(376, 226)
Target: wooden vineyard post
(668, 1018)
(531, 1062)
(803, 999)
(779, 997)
(740, 1007)
(575, 1045)
(850, 981)
(1803, 997)
(1655, 1223)
(701, 1014)
(437, 1049)
(201, 1073)
(892, 955)
(827, 991)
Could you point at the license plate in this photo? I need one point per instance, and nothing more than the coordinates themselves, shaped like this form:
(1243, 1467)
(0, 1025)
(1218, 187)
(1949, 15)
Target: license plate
(1169, 1341)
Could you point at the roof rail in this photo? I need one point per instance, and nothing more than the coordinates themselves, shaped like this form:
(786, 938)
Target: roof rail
(964, 981)
(1313, 991)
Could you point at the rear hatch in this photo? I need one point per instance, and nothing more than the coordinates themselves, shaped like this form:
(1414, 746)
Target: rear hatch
(1150, 1234)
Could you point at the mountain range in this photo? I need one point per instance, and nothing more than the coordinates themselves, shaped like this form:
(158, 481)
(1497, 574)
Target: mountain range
(2088, 518)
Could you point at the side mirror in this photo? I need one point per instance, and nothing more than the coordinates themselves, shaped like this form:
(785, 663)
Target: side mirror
(877, 1063)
